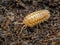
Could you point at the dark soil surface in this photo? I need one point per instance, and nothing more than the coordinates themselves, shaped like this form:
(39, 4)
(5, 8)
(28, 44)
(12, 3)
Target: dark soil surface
(47, 33)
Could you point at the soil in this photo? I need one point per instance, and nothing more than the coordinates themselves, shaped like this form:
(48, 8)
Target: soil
(12, 11)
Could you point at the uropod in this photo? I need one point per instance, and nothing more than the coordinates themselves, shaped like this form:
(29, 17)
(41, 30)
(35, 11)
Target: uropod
(35, 18)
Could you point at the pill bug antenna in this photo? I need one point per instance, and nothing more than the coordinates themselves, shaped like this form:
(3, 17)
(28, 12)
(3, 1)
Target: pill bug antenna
(23, 28)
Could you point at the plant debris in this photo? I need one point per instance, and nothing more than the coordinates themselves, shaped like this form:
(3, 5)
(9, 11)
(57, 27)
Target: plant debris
(13, 12)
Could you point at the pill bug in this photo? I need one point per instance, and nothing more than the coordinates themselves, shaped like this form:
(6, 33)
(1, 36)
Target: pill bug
(35, 18)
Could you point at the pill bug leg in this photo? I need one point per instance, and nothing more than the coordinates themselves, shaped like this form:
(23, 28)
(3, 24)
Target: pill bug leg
(37, 29)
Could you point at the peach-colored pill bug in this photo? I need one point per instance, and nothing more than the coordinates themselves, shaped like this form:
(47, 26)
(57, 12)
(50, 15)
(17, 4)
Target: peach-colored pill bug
(36, 17)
